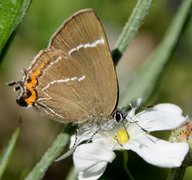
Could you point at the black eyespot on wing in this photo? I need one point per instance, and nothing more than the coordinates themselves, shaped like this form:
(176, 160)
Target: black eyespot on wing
(17, 88)
(21, 99)
(21, 102)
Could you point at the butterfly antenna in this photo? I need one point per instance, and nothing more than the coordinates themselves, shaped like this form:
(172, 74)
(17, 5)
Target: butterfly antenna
(133, 121)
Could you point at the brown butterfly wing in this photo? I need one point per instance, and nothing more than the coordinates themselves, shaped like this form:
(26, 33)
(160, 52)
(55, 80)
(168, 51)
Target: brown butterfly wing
(79, 83)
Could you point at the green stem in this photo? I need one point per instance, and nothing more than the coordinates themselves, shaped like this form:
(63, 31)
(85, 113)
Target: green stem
(131, 27)
(72, 175)
(177, 173)
(49, 157)
(125, 155)
(144, 81)
(5, 157)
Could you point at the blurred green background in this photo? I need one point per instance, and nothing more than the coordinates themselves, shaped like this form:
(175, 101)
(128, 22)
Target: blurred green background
(38, 133)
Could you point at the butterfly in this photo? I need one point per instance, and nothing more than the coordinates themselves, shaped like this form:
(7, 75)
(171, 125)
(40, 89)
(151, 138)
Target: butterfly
(73, 79)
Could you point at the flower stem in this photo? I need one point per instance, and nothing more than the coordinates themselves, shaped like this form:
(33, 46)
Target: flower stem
(145, 79)
(131, 27)
(72, 175)
(125, 155)
(48, 158)
(176, 173)
(8, 151)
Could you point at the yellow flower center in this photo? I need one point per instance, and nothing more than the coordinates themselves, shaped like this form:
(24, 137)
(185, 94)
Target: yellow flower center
(122, 136)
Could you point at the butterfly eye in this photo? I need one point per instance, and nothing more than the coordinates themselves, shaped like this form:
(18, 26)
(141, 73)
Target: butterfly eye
(118, 116)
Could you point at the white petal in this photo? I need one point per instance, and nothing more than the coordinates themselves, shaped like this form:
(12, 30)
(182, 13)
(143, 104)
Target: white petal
(94, 172)
(74, 142)
(159, 152)
(80, 137)
(131, 114)
(91, 159)
(160, 117)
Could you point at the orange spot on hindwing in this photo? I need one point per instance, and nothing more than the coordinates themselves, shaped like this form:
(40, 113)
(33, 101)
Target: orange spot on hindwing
(32, 83)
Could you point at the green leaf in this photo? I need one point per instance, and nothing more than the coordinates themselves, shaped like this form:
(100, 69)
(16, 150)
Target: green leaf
(72, 175)
(143, 82)
(8, 151)
(131, 27)
(49, 157)
(11, 14)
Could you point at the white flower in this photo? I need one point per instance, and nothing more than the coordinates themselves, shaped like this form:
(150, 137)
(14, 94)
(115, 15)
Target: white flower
(91, 158)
